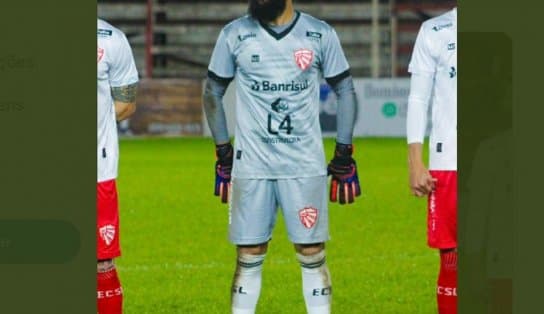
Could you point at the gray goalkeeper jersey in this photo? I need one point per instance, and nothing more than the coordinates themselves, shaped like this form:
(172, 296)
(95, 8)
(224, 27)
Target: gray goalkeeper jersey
(277, 79)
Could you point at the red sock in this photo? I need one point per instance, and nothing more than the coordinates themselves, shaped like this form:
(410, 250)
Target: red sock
(447, 283)
(109, 293)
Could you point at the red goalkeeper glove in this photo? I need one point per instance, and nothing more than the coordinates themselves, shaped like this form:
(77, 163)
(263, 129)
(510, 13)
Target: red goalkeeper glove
(343, 169)
(223, 168)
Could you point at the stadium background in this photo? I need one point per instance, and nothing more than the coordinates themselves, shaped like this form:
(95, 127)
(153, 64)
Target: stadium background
(175, 255)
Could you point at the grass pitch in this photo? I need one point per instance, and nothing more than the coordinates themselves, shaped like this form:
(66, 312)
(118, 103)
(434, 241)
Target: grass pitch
(176, 257)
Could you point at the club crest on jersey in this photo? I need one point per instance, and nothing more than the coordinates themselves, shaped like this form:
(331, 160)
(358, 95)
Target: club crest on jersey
(100, 54)
(308, 216)
(107, 233)
(304, 58)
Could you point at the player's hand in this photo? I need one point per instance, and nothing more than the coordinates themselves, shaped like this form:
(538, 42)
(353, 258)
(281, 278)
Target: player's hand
(345, 181)
(223, 168)
(421, 181)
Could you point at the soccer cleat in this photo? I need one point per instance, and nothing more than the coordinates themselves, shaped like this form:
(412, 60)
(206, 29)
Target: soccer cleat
(223, 168)
(345, 181)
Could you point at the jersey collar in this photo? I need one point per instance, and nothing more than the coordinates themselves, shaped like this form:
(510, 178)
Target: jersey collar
(279, 36)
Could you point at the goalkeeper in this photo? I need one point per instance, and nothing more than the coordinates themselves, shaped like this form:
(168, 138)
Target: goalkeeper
(277, 55)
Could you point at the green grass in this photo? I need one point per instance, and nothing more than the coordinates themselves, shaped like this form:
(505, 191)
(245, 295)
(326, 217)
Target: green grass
(176, 257)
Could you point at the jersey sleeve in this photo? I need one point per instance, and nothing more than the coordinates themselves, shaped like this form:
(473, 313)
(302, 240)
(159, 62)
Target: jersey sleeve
(334, 61)
(123, 70)
(222, 62)
(423, 59)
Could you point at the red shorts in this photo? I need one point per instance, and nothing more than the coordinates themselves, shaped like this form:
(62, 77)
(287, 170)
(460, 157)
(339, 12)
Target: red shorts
(442, 211)
(107, 229)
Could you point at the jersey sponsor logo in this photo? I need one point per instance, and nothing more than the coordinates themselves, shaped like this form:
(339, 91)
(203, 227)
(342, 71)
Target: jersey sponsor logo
(104, 32)
(246, 36)
(453, 72)
(280, 105)
(107, 233)
(438, 28)
(315, 35)
(304, 58)
(280, 140)
(255, 58)
(100, 52)
(308, 217)
(267, 86)
(451, 46)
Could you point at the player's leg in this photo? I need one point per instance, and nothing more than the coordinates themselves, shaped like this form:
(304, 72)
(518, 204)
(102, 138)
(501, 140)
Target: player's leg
(109, 291)
(304, 205)
(447, 282)
(442, 235)
(246, 284)
(252, 216)
(316, 278)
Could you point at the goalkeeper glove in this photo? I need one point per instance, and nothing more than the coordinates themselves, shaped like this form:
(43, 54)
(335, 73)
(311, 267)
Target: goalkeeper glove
(343, 169)
(223, 168)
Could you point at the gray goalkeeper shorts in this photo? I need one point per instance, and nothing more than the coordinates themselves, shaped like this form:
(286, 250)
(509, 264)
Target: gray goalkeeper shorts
(254, 205)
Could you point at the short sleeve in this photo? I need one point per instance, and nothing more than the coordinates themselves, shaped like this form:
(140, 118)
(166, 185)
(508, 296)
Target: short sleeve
(222, 61)
(423, 59)
(334, 61)
(123, 70)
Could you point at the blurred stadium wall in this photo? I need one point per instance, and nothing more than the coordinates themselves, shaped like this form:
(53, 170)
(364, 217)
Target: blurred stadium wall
(172, 42)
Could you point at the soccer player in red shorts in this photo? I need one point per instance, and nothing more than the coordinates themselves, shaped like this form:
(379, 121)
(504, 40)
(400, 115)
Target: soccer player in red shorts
(433, 71)
(117, 83)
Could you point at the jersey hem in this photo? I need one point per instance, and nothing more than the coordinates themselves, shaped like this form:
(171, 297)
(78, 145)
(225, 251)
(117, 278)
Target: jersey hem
(333, 80)
(104, 179)
(278, 177)
(129, 82)
(420, 71)
(221, 79)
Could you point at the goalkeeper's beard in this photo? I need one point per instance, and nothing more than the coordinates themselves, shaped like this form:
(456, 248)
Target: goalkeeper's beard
(266, 11)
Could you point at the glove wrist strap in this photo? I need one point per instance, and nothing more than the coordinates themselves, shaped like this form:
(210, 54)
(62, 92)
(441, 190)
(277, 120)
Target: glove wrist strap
(223, 150)
(343, 150)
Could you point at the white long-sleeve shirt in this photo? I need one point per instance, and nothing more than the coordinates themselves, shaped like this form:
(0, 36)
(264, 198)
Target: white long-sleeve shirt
(434, 82)
(115, 68)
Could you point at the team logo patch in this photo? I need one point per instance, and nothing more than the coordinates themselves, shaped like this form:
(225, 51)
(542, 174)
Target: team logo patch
(107, 233)
(304, 58)
(100, 54)
(308, 216)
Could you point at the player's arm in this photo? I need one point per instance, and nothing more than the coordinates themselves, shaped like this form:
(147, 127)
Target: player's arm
(220, 74)
(212, 100)
(343, 168)
(347, 106)
(124, 98)
(123, 78)
(422, 67)
(215, 113)
(421, 182)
